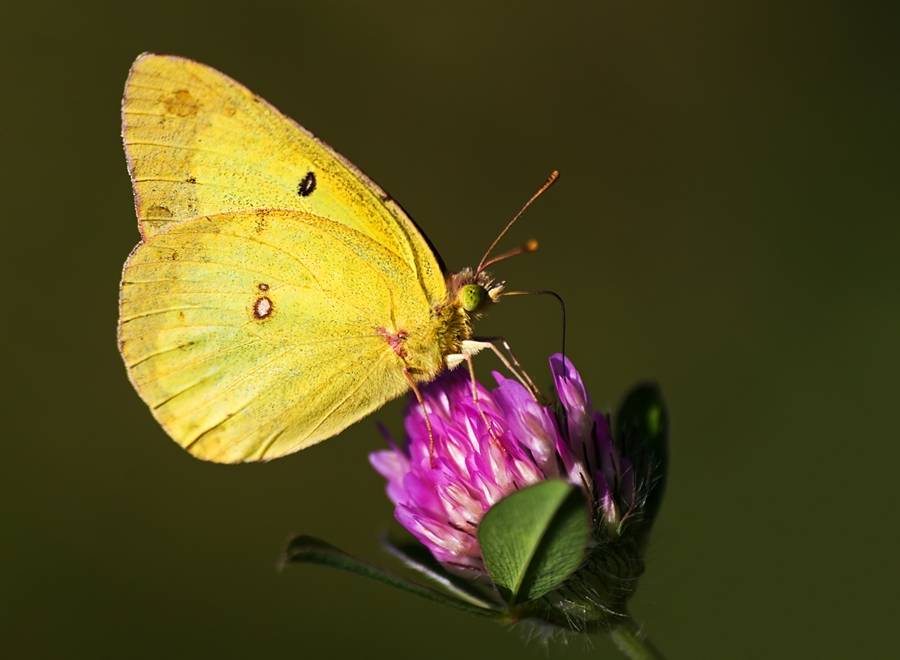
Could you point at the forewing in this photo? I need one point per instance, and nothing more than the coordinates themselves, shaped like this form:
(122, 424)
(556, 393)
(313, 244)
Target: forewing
(252, 335)
(199, 143)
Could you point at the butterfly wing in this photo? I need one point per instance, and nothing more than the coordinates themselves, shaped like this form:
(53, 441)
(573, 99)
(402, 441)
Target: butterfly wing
(199, 143)
(251, 335)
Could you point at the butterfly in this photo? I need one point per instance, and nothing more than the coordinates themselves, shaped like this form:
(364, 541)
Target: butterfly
(277, 294)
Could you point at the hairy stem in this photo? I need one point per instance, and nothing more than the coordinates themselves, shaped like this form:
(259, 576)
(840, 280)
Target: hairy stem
(633, 643)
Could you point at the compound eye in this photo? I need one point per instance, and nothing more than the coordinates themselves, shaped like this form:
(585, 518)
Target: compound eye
(472, 297)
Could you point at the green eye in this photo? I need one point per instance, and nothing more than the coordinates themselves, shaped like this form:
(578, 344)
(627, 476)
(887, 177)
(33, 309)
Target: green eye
(472, 297)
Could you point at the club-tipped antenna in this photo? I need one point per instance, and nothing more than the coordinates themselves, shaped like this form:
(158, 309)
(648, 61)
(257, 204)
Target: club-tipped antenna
(554, 175)
(531, 245)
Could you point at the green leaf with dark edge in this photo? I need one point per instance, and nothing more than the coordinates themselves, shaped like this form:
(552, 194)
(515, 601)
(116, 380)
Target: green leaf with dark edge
(641, 431)
(310, 550)
(417, 558)
(534, 539)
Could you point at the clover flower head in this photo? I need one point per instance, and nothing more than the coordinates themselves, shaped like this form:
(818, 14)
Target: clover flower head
(488, 443)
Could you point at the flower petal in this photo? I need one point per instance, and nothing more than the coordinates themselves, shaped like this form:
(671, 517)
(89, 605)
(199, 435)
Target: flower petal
(445, 542)
(393, 465)
(529, 423)
(577, 406)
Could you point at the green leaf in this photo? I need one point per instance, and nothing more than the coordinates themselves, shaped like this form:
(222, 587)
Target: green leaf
(534, 539)
(417, 558)
(310, 550)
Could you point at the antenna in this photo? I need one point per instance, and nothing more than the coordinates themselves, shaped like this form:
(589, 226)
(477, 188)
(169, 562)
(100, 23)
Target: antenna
(530, 245)
(554, 175)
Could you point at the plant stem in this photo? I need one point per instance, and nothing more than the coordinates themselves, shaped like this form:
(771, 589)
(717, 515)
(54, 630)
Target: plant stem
(631, 641)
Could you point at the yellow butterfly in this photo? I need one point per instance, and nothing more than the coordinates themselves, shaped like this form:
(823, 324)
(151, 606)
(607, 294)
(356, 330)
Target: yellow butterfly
(277, 295)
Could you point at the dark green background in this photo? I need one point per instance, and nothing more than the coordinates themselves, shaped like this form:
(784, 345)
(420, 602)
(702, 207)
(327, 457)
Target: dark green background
(726, 222)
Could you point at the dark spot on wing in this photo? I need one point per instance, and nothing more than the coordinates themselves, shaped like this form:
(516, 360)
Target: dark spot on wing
(307, 184)
(263, 286)
(181, 103)
(191, 179)
(158, 212)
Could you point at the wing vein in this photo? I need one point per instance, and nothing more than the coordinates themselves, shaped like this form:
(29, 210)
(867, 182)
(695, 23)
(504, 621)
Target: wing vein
(154, 312)
(193, 363)
(362, 381)
(162, 352)
(240, 267)
(159, 405)
(170, 179)
(163, 145)
(217, 425)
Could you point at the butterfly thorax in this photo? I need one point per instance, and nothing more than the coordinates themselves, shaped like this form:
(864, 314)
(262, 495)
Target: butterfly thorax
(469, 294)
(424, 350)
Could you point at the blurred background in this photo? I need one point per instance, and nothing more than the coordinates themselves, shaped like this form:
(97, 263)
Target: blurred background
(725, 223)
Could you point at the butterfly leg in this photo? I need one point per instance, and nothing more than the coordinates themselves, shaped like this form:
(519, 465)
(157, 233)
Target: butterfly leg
(421, 400)
(475, 398)
(506, 356)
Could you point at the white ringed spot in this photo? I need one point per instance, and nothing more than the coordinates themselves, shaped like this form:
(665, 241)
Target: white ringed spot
(262, 308)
